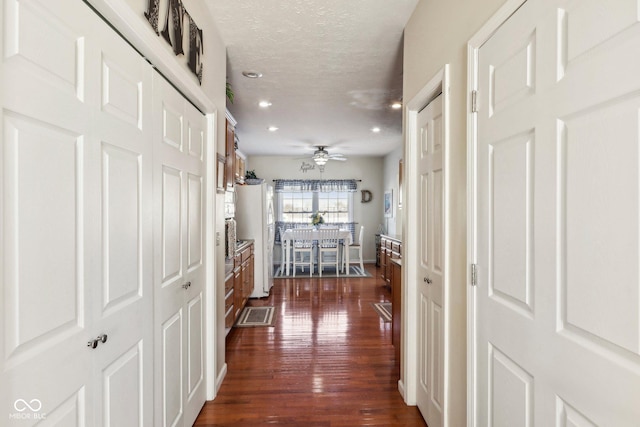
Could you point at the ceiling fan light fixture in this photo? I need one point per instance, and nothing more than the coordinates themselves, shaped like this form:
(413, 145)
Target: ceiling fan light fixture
(321, 157)
(320, 161)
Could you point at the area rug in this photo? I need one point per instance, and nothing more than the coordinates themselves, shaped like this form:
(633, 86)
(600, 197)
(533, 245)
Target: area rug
(354, 271)
(256, 316)
(383, 309)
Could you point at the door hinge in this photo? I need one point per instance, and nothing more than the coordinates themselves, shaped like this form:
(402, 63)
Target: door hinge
(474, 274)
(474, 101)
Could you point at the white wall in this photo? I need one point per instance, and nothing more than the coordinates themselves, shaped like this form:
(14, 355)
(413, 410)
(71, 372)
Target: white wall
(368, 169)
(437, 34)
(391, 169)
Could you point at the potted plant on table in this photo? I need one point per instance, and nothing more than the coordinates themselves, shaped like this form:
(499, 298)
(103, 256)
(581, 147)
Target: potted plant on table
(251, 178)
(317, 219)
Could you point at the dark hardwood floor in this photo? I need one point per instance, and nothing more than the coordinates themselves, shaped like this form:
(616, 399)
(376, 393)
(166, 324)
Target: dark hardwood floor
(327, 362)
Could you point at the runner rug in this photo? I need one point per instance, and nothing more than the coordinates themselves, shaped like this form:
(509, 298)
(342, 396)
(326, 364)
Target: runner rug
(256, 316)
(383, 309)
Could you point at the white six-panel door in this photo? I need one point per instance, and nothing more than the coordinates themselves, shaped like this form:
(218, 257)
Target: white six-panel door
(179, 149)
(76, 216)
(558, 202)
(430, 167)
(77, 227)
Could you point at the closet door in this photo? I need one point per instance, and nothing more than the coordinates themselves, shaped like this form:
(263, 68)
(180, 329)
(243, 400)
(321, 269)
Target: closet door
(122, 307)
(75, 215)
(179, 254)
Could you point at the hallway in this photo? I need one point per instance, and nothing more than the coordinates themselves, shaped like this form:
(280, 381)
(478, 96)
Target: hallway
(327, 362)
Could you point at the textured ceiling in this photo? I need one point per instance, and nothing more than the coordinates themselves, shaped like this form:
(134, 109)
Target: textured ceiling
(330, 68)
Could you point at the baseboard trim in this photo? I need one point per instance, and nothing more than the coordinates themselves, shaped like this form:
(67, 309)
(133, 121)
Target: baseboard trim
(221, 375)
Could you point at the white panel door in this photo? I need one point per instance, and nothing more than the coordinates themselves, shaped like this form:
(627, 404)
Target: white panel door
(75, 225)
(123, 307)
(46, 281)
(179, 145)
(430, 391)
(558, 295)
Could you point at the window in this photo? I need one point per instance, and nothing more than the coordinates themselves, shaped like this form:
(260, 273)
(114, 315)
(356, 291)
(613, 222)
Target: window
(298, 206)
(297, 200)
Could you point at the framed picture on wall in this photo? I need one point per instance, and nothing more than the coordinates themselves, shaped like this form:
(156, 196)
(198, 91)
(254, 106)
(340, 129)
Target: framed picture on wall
(220, 174)
(388, 204)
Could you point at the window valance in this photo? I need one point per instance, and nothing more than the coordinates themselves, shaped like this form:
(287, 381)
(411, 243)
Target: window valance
(320, 185)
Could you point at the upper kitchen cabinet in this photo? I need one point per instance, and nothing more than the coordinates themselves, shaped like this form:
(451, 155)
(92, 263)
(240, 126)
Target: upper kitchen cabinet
(230, 152)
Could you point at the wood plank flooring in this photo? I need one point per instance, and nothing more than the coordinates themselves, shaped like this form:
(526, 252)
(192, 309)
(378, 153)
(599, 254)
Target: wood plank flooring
(327, 362)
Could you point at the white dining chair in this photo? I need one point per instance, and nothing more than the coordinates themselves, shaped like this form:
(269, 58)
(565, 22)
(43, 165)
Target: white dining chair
(329, 246)
(302, 245)
(283, 258)
(356, 246)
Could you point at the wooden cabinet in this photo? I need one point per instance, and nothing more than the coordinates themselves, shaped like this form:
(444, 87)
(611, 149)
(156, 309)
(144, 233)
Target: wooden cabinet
(390, 248)
(396, 307)
(240, 169)
(240, 283)
(230, 152)
(391, 273)
(229, 304)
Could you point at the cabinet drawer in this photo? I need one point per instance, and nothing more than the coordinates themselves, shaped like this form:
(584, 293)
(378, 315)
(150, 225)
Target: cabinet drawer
(395, 247)
(230, 318)
(228, 300)
(228, 284)
(246, 253)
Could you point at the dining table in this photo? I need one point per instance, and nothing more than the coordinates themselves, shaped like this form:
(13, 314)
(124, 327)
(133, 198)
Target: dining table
(287, 237)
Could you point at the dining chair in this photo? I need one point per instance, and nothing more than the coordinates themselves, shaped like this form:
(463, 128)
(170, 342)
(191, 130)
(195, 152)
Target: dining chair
(302, 245)
(283, 258)
(358, 247)
(329, 244)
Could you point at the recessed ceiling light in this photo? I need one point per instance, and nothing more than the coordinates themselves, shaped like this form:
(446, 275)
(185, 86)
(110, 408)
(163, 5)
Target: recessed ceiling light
(396, 105)
(272, 128)
(264, 104)
(375, 130)
(252, 74)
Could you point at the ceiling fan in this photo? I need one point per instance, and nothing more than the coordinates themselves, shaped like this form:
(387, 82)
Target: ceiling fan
(322, 156)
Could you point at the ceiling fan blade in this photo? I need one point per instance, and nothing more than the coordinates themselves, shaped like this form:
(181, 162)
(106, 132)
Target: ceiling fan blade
(341, 159)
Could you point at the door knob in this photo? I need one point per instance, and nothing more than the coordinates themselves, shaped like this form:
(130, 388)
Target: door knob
(427, 280)
(94, 343)
(186, 285)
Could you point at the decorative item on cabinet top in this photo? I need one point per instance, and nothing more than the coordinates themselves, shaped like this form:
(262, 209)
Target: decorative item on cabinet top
(252, 179)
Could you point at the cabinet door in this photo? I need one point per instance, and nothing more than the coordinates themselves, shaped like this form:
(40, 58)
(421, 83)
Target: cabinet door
(230, 165)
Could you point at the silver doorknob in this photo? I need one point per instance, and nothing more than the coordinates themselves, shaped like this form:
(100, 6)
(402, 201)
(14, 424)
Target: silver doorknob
(102, 338)
(186, 285)
(92, 344)
(427, 280)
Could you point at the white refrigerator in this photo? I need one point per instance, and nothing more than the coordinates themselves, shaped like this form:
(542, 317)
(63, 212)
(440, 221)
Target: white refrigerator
(255, 220)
